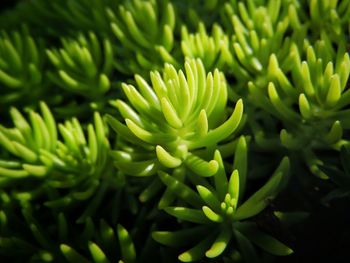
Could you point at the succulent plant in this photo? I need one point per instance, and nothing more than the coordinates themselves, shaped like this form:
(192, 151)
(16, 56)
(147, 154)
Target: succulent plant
(144, 37)
(21, 63)
(218, 207)
(170, 79)
(83, 65)
(258, 31)
(166, 125)
(329, 18)
(212, 50)
(66, 170)
(319, 89)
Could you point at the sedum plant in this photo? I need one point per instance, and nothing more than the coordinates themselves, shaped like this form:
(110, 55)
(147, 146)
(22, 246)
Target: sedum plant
(170, 78)
(21, 68)
(212, 50)
(82, 65)
(329, 18)
(319, 90)
(65, 169)
(168, 122)
(217, 206)
(260, 30)
(144, 37)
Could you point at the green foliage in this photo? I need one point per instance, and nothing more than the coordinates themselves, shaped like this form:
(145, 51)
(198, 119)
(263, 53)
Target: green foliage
(21, 67)
(83, 65)
(145, 37)
(212, 50)
(219, 206)
(177, 116)
(260, 30)
(35, 155)
(186, 86)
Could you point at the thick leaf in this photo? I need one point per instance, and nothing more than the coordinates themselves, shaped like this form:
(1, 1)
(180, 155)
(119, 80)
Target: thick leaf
(198, 251)
(180, 189)
(188, 214)
(126, 245)
(266, 242)
(71, 255)
(259, 200)
(182, 237)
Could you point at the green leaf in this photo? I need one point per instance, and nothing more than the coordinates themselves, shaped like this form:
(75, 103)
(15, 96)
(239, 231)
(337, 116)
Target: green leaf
(97, 254)
(219, 244)
(211, 215)
(126, 245)
(201, 167)
(166, 159)
(259, 200)
(220, 178)
(182, 237)
(240, 163)
(209, 197)
(170, 114)
(180, 189)
(266, 242)
(71, 255)
(334, 92)
(233, 185)
(188, 214)
(141, 168)
(223, 131)
(197, 252)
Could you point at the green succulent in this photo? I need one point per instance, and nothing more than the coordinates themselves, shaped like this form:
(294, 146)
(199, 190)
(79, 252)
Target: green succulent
(66, 169)
(167, 123)
(142, 38)
(318, 88)
(331, 18)
(82, 65)
(170, 78)
(217, 206)
(21, 68)
(260, 30)
(212, 50)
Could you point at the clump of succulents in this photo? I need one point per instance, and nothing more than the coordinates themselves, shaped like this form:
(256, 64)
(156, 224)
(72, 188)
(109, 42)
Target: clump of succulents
(119, 121)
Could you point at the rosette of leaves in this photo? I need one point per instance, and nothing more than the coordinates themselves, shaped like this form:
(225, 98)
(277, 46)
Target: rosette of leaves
(212, 50)
(258, 31)
(21, 62)
(168, 121)
(144, 41)
(83, 65)
(312, 105)
(329, 18)
(35, 162)
(219, 213)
